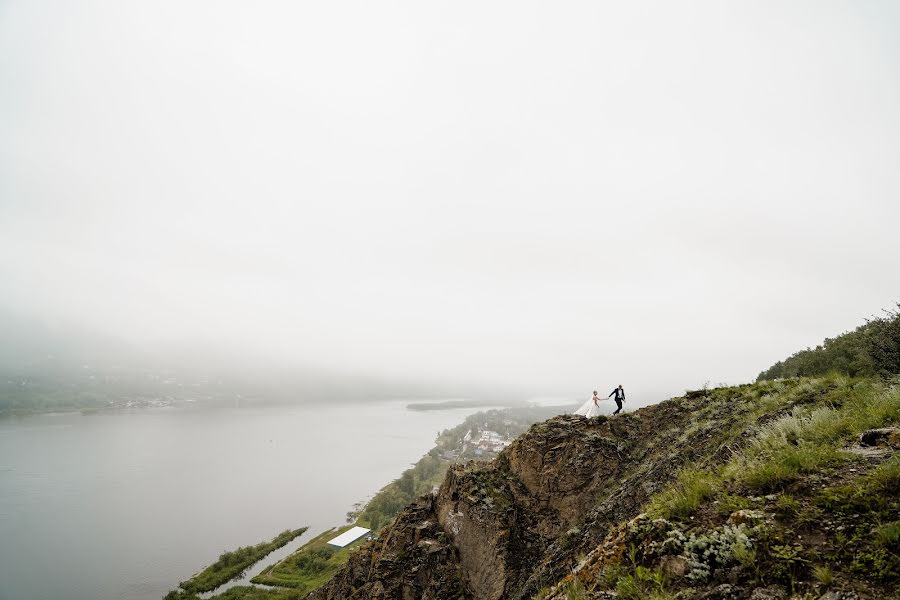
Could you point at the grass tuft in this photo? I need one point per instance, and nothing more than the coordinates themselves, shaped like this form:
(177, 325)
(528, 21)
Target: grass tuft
(824, 575)
(888, 535)
(886, 478)
(684, 497)
(775, 471)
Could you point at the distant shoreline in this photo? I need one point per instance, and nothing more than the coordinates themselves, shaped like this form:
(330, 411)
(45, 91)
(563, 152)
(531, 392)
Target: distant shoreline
(20, 412)
(31, 412)
(447, 404)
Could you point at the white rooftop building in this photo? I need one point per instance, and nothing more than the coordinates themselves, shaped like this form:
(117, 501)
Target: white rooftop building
(492, 441)
(491, 436)
(348, 537)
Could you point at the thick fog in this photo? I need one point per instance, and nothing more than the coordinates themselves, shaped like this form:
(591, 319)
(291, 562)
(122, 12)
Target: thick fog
(559, 196)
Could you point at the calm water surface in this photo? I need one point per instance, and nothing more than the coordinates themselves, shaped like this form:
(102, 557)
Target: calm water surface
(127, 504)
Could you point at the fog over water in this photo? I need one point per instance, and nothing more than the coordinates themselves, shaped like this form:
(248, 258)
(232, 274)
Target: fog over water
(266, 223)
(656, 194)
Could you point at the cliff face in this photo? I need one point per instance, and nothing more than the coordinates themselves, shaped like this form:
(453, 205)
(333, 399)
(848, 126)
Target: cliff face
(552, 507)
(412, 559)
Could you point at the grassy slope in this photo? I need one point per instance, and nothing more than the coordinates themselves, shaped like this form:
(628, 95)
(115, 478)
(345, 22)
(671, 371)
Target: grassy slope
(792, 507)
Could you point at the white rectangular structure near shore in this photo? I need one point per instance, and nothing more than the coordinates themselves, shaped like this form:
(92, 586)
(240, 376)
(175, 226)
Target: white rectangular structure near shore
(348, 537)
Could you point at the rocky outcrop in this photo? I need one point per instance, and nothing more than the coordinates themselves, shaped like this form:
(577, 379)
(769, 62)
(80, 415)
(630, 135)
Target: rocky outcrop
(412, 559)
(508, 528)
(559, 514)
(478, 509)
(884, 437)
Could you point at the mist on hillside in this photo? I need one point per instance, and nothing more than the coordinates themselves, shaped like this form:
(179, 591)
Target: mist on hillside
(524, 201)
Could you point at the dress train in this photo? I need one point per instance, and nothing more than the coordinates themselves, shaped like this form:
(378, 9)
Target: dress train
(588, 409)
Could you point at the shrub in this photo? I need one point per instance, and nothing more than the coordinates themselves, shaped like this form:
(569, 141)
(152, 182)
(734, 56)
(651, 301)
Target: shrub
(717, 548)
(787, 559)
(871, 349)
(314, 562)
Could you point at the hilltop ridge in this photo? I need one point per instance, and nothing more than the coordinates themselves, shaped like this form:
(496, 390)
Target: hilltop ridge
(631, 506)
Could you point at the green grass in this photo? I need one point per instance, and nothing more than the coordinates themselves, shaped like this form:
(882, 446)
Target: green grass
(574, 590)
(310, 567)
(249, 592)
(780, 468)
(788, 505)
(886, 478)
(807, 439)
(790, 431)
(642, 584)
(888, 535)
(834, 411)
(729, 503)
(232, 564)
(684, 497)
(825, 414)
(823, 574)
(818, 419)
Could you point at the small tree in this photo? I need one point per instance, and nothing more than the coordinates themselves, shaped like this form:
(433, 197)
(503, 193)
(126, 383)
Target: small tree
(407, 484)
(884, 342)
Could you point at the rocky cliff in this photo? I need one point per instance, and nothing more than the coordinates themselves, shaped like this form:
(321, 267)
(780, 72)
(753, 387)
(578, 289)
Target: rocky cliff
(672, 500)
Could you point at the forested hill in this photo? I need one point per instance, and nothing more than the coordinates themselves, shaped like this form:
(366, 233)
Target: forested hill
(869, 350)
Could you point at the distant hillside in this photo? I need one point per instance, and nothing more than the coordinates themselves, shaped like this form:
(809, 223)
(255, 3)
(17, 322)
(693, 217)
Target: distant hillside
(45, 368)
(871, 349)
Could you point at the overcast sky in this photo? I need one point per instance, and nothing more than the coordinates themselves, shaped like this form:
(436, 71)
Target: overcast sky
(564, 195)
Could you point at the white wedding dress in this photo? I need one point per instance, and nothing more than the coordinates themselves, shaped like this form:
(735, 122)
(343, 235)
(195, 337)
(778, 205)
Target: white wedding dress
(589, 409)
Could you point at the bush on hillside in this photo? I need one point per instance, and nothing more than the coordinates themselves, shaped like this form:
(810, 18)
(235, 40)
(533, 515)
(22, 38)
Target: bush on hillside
(871, 349)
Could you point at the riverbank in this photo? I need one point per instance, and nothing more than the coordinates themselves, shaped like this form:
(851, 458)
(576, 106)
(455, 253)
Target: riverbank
(126, 504)
(479, 437)
(446, 404)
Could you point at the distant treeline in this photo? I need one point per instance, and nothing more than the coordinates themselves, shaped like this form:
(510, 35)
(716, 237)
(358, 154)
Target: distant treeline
(872, 349)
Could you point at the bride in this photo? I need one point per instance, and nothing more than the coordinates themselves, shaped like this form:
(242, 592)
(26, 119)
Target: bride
(591, 408)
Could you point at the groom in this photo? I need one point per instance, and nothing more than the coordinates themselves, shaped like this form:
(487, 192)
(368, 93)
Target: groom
(620, 398)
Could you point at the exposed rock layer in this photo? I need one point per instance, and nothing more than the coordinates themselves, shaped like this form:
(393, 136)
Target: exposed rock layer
(562, 506)
(508, 528)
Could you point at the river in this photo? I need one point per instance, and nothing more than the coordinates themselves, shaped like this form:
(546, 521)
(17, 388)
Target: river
(124, 505)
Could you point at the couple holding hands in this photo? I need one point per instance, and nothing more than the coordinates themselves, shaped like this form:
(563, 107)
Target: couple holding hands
(591, 408)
